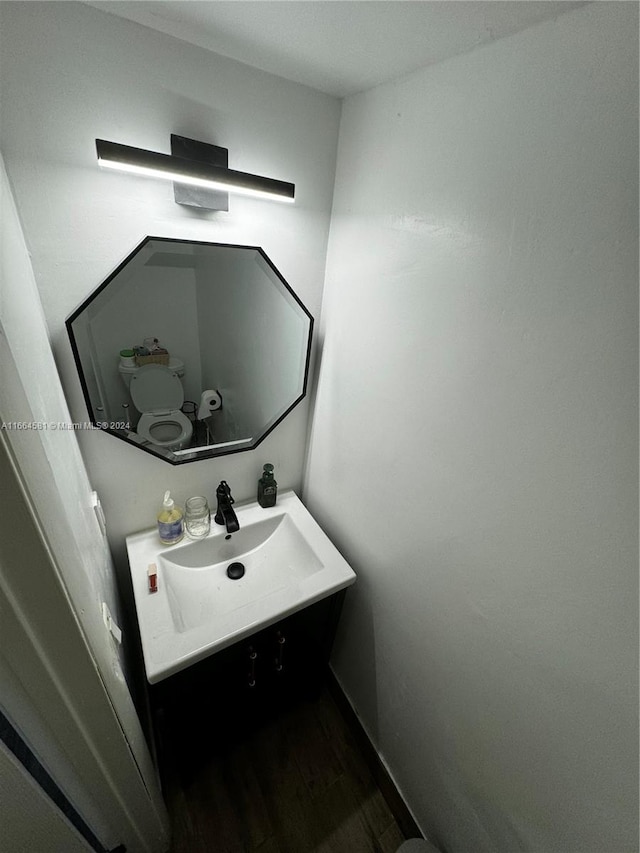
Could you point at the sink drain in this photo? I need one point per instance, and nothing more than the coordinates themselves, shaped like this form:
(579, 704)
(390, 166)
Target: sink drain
(235, 571)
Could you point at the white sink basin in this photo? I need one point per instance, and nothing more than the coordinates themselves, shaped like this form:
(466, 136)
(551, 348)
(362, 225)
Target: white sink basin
(289, 564)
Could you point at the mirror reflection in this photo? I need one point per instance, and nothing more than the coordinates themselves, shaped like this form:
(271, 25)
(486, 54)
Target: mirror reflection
(190, 349)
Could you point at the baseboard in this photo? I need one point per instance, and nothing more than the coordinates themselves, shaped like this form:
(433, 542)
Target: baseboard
(397, 805)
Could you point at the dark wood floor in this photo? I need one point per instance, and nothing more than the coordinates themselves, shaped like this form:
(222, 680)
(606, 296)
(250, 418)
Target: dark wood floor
(289, 781)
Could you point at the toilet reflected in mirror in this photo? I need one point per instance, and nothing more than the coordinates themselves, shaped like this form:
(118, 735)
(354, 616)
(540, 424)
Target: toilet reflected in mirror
(156, 392)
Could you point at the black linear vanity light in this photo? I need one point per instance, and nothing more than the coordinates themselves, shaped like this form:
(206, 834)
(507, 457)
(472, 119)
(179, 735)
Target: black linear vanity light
(206, 168)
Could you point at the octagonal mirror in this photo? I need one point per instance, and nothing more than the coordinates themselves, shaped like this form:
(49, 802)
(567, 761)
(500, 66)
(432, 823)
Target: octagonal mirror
(190, 350)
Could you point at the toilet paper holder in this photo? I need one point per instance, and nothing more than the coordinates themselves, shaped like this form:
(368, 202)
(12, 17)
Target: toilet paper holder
(210, 401)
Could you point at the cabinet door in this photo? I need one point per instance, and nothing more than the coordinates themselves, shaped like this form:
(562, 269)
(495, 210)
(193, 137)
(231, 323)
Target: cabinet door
(245, 683)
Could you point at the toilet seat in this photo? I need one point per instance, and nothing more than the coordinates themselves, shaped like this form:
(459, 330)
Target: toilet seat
(157, 394)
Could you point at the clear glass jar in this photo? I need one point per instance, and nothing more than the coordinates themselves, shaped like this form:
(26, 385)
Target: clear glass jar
(197, 517)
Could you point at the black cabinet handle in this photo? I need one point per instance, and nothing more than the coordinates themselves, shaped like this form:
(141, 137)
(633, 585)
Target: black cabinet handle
(253, 656)
(280, 640)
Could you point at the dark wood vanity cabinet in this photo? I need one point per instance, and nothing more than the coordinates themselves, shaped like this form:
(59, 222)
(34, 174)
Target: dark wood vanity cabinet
(237, 687)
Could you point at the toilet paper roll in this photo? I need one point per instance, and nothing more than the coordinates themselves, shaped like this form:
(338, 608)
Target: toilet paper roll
(210, 401)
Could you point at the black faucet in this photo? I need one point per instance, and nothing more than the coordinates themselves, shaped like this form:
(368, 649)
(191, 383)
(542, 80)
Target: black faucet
(224, 513)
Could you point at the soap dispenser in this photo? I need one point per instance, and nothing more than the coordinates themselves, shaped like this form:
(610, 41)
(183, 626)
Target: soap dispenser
(170, 521)
(267, 487)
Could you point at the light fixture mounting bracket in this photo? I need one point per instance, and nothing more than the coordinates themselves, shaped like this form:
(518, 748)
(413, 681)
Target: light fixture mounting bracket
(203, 152)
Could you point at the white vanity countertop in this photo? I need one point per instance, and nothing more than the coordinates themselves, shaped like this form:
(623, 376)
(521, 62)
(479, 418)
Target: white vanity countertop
(197, 610)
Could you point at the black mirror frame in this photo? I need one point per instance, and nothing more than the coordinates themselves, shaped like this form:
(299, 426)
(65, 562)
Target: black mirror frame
(205, 454)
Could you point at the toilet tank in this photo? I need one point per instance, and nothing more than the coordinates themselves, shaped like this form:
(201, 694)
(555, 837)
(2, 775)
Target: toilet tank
(126, 372)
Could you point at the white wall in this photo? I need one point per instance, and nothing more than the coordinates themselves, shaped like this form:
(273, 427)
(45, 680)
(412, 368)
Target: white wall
(49, 457)
(63, 684)
(71, 73)
(474, 447)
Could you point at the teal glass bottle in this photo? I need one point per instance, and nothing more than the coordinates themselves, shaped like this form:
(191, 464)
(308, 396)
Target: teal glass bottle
(267, 487)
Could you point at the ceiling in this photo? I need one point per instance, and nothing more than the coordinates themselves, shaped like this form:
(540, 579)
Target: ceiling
(337, 46)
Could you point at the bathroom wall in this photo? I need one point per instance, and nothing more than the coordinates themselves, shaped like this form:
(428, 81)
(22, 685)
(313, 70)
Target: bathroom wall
(474, 449)
(63, 682)
(71, 73)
